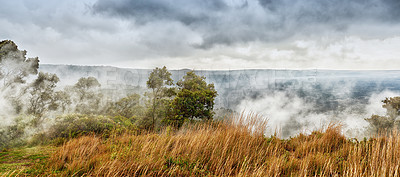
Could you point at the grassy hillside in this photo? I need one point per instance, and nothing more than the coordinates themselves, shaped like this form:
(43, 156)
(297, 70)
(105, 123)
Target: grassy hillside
(23, 161)
(233, 148)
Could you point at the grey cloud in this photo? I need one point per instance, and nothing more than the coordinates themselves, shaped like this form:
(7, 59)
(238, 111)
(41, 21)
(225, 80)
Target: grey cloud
(232, 32)
(327, 11)
(187, 12)
(219, 22)
(206, 17)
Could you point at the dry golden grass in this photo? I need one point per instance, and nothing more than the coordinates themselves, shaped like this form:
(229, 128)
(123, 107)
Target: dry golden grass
(235, 148)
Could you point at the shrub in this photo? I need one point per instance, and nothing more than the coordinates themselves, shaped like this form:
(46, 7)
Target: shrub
(74, 125)
(15, 134)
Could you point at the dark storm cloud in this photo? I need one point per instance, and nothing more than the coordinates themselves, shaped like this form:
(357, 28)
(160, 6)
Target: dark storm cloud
(326, 11)
(210, 18)
(230, 22)
(187, 12)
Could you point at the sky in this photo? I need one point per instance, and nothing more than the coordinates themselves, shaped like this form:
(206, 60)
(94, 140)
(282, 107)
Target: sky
(207, 34)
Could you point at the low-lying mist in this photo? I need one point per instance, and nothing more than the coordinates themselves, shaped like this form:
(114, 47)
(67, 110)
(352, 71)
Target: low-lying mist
(288, 114)
(63, 101)
(294, 101)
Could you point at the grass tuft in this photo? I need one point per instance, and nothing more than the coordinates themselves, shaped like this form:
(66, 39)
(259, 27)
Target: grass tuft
(228, 148)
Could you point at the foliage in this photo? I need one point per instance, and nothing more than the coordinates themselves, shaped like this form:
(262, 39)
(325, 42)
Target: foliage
(127, 107)
(14, 69)
(63, 100)
(159, 78)
(85, 85)
(158, 82)
(195, 100)
(388, 122)
(87, 96)
(15, 134)
(74, 125)
(14, 66)
(11, 136)
(227, 149)
(27, 161)
(392, 105)
(42, 95)
(124, 124)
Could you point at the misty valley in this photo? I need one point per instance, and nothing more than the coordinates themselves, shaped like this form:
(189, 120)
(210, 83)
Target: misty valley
(241, 88)
(345, 96)
(71, 120)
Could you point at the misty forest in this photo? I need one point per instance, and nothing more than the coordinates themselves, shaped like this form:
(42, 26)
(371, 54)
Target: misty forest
(200, 88)
(167, 127)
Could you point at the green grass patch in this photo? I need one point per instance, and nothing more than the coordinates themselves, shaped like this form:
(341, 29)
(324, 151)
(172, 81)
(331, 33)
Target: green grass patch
(21, 160)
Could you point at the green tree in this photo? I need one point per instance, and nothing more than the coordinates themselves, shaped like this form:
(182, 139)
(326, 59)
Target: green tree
(14, 66)
(158, 82)
(41, 93)
(63, 100)
(392, 106)
(14, 69)
(86, 86)
(87, 95)
(388, 122)
(195, 100)
(127, 107)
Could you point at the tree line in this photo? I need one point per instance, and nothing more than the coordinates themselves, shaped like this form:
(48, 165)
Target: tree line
(164, 103)
(26, 93)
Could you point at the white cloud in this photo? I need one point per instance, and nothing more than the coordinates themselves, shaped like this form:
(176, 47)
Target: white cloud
(242, 34)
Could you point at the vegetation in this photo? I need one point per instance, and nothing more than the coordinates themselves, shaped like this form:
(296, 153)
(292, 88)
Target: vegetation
(195, 100)
(14, 66)
(41, 94)
(128, 107)
(87, 95)
(39, 109)
(14, 70)
(226, 148)
(158, 82)
(168, 131)
(24, 161)
(389, 122)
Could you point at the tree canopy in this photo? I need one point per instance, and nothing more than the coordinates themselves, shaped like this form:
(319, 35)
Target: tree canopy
(159, 82)
(87, 95)
(194, 100)
(14, 66)
(127, 107)
(388, 122)
(42, 94)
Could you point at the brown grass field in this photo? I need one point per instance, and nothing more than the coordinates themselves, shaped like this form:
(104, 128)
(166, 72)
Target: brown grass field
(230, 148)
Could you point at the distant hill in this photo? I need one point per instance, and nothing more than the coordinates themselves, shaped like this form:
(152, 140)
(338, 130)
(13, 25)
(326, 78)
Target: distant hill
(329, 87)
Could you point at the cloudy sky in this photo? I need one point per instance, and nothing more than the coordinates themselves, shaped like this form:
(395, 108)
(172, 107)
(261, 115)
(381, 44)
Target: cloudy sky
(207, 34)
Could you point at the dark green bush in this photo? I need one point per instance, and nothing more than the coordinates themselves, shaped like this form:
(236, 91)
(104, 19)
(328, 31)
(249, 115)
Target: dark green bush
(15, 133)
(74, 125)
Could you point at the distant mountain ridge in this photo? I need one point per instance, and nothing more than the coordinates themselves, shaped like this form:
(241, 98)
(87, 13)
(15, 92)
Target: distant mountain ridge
(236, 85)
